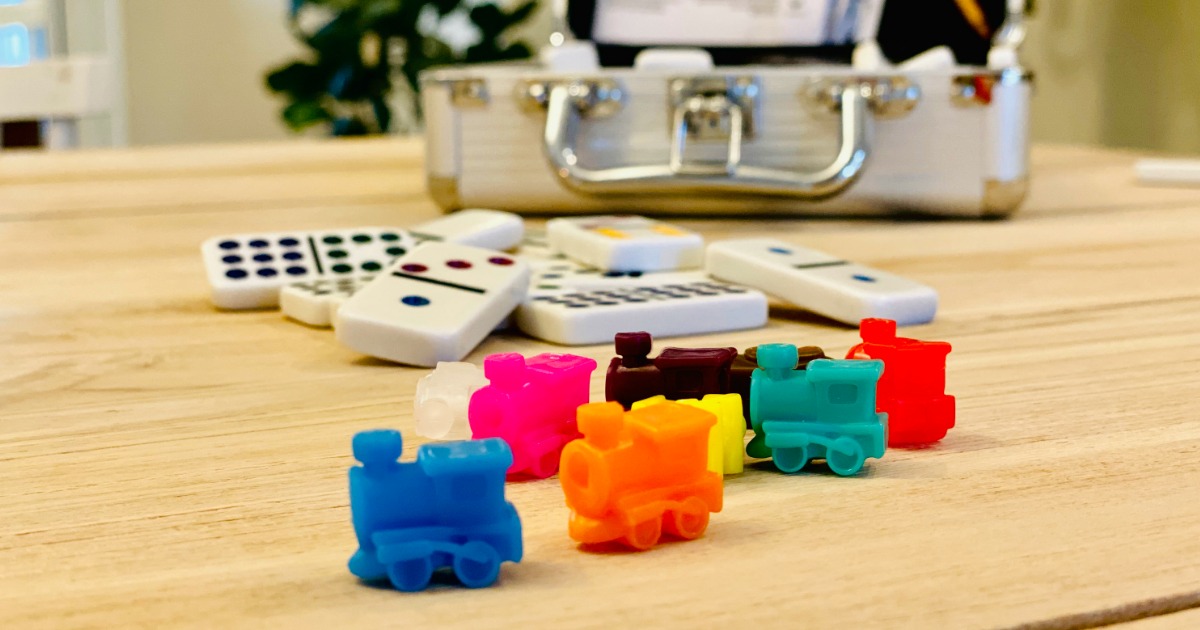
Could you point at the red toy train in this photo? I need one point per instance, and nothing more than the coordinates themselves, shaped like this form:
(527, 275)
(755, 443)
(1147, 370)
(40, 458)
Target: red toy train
(912, 390)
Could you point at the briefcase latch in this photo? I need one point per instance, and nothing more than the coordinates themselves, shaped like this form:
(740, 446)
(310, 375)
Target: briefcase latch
(711, 109)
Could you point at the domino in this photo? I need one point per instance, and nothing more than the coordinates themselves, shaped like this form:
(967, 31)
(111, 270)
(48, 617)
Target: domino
(535, 243)
(566, 274)
(437, 303)
(315, 302)
(247, 271)
(490, 229)
(626, 243)
(663, 304)
(823, 284)
(534, 249)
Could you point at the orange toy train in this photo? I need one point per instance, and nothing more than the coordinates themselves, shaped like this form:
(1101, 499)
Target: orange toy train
(635, 474)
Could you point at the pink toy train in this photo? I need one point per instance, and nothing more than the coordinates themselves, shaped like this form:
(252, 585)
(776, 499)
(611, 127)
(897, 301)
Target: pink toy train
(531, 404)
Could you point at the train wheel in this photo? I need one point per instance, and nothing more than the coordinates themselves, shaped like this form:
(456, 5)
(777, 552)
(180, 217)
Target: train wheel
(845, 457)
(645, 535)
(689, 520)
(477, 564)
(411, 575)
(790, 460)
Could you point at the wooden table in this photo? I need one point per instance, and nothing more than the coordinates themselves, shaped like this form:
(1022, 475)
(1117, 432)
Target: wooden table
(162, 463)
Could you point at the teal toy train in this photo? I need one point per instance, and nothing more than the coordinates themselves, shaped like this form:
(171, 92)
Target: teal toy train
(826, 411)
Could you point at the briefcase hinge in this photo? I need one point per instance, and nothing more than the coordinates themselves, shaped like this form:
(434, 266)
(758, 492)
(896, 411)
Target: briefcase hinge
(468, 93)
(594, 98)
(887, 97)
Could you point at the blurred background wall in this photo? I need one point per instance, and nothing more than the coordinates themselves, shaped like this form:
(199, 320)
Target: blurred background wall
(1111, 72)
(1117, 73)
(195, 69)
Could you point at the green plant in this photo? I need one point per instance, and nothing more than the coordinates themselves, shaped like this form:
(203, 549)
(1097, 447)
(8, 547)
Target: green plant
(365, 53)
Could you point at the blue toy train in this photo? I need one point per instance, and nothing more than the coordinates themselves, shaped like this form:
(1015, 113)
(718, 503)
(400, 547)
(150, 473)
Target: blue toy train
(447, 509)
(826, 411)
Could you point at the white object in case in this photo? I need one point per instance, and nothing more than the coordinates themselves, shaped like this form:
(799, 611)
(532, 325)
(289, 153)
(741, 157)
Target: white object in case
(734, 140)
(435, 304)
(821, 283)
(626, 243)
(315, 303)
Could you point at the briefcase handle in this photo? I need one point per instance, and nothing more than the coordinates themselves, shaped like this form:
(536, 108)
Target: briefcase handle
(716, 107)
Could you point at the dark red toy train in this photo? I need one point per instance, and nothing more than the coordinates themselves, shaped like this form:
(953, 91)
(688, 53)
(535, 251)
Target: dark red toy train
(680, 373)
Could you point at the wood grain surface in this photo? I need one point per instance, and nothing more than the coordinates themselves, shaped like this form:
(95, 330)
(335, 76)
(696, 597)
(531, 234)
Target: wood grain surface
(166, 464)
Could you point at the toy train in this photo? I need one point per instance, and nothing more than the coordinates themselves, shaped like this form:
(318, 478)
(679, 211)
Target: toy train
(637, 473)
(679, 373)
(826, 411)
(530, 404)
(912, 390)
(630, 476)
(727, 438)
(675, 373)
(446, 510)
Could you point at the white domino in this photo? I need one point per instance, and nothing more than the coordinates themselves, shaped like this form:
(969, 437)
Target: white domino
(626, 243)
(315, 302)
(663, 304)
(534, 249)
(248, 270)
(490, 229)
(552, 275)
(821, 283)
(435, 304)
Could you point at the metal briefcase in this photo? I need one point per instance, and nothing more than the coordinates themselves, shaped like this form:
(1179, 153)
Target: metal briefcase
(761, 140)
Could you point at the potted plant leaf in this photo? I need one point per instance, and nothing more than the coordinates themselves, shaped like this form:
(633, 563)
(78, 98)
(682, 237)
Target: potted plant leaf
(364, 57)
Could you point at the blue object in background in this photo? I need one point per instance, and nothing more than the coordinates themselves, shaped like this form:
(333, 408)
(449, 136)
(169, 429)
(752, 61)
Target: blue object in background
(826, 411)
(447, 509)
(15, 49)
